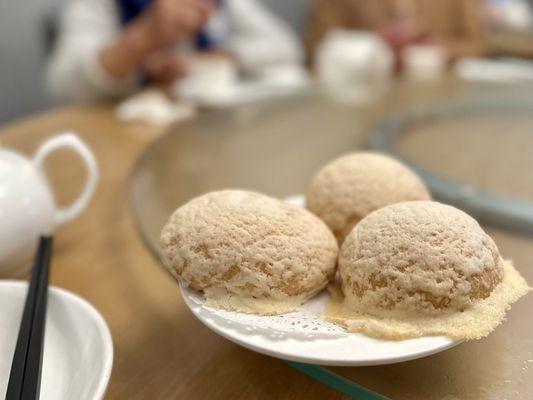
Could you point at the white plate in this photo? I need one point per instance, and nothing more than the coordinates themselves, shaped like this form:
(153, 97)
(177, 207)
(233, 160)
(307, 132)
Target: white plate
(78, 350)
(306, 337)
(238, 94)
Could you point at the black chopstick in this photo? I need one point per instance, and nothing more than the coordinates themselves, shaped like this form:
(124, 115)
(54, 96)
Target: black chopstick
(25, 376)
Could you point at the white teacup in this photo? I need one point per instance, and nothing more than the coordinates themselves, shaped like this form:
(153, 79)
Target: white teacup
(424, 62)
(354, 66)
(208, 81)
(27, 207)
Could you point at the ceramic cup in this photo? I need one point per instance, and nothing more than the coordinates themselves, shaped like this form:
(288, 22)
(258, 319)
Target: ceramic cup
(27, 207)
(354, 66)
(424, 62)
(208, 80)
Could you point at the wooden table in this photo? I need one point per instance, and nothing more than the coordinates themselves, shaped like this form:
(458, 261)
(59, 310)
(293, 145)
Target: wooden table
(161, 350)
(277, 147)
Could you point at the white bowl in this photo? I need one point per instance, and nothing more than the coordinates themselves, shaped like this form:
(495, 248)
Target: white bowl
(78, 349)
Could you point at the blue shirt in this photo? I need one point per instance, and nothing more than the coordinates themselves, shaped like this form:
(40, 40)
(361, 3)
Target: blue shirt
(130, 9)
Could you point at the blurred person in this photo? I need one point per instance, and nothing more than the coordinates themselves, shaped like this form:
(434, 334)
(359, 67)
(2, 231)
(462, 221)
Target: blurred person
(457, 25)
(109, 48)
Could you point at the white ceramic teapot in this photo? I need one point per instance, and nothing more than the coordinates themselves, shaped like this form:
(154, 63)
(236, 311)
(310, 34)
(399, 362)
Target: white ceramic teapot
(27, 207)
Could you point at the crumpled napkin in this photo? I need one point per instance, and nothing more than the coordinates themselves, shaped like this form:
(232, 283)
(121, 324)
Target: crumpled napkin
(153, 107)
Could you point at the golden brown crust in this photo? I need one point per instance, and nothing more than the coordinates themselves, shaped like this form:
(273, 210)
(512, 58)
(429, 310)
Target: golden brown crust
(349, 188)
(418, 257)
(245, 250)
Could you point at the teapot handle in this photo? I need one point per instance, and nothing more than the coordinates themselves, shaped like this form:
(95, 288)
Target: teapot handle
(69, 140)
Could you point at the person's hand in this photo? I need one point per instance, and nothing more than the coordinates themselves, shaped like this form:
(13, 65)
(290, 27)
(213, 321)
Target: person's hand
(164, 67)
(163, 24)
(166, 22)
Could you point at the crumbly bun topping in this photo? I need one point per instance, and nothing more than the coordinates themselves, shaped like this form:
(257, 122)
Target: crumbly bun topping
(418, 257)
(350, 187)
(249, 252)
